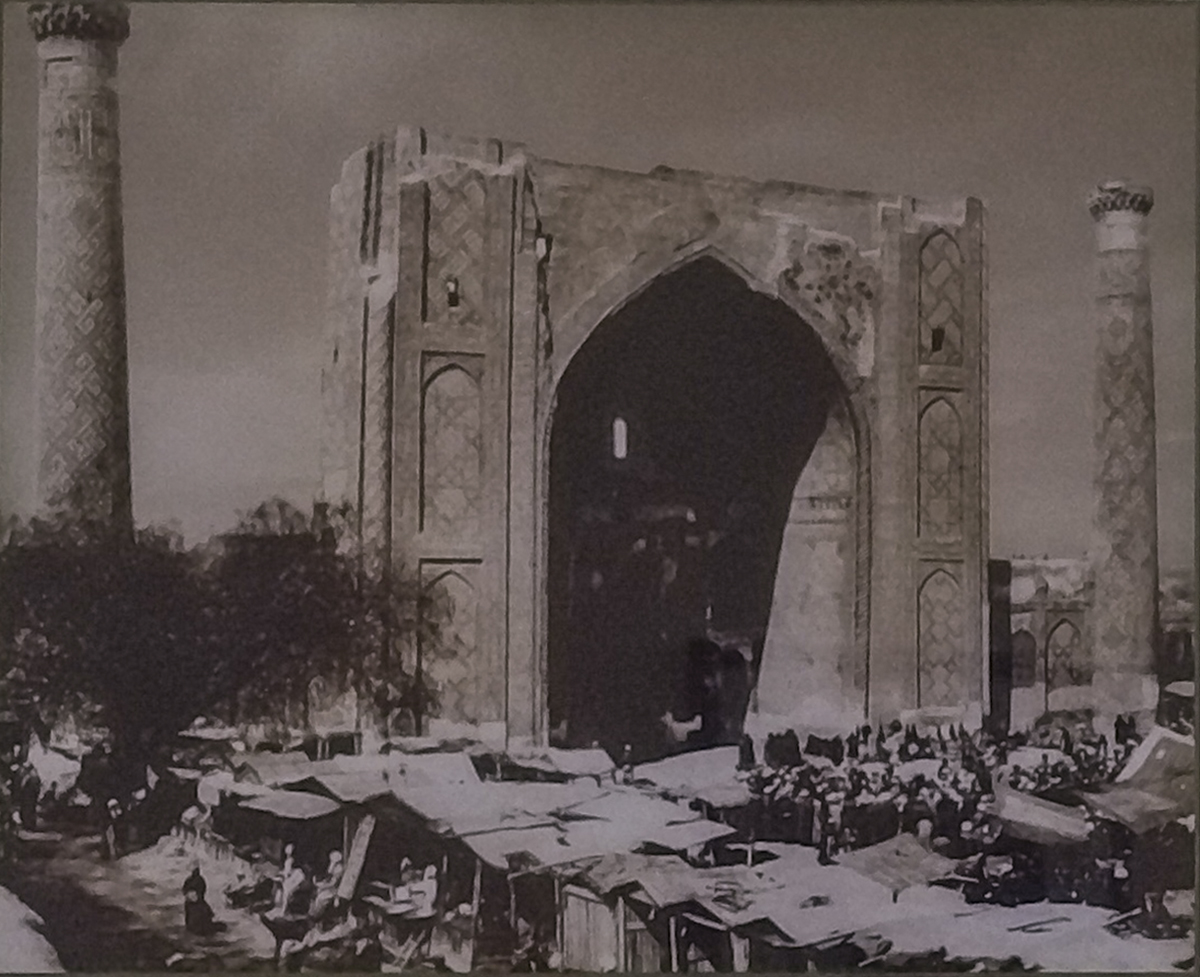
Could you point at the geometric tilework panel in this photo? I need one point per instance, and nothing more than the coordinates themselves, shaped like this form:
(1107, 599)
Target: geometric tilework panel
(940, 681)
(449, 663)
(1025, 660)
(455, 245)
(940, 488)
(941, 302)
(1125, 483)
(1067, 661)
(81, 344)
(451, 454)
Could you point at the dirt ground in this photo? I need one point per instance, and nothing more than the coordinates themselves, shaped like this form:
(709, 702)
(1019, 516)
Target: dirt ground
(128, 914)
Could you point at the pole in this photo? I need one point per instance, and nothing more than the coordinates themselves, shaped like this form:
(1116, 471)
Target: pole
(476, 895)
(622, 955)
(560, 926)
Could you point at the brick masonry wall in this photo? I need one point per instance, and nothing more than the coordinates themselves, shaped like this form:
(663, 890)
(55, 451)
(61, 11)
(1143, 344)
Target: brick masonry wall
(537, 254)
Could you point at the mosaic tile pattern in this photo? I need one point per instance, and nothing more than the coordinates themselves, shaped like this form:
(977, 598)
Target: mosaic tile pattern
(941, 467)
(1125, 544)
(452, 453)
(449, 664)
(82, 365)
(940, 679)
(941, 302)
(457, 230)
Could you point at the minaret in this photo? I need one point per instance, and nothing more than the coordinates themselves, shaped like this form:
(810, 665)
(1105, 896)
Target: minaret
(82, 364)
(1124, 554)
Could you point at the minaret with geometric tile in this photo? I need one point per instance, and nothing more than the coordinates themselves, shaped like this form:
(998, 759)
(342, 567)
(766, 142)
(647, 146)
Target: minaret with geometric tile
(1124, 551)
(82, 362)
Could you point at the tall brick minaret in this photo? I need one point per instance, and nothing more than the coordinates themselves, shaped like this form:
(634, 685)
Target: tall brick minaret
(82, 366)
(1124, 552)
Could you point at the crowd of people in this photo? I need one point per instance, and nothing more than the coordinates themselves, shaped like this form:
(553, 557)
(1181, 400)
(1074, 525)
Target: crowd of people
(848, 792)
(843, 793)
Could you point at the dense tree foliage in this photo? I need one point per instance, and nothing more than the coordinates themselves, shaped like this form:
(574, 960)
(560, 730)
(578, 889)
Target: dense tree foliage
(144, 634)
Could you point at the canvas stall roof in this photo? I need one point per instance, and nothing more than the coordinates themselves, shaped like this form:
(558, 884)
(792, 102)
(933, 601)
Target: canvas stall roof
(1043, 935)
(211, 787)
(898, 863)
(617, 870)
(1145, 807)
(464, 809)
(1042, 822)
(356, 779)
(553, 845)
(272, 769)
(429, 768)
(543, 825)
(813, 903)
(802, 901)
(349, 788)
(292, 805)
(572, 763)
(854, 907)
(686, 836)
(1184, 689)
(707, 775)
(1162, 755)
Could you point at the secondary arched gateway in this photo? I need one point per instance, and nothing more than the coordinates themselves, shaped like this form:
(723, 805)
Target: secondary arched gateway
(546, 382)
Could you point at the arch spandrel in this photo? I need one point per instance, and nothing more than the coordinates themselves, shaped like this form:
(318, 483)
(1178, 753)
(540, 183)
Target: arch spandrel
(573, 328)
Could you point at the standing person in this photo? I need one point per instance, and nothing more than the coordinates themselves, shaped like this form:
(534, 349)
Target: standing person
(110, 815)
(733, 693)
(31, 792)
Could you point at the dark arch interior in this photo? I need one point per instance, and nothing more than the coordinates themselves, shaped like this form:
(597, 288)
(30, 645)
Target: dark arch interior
(723, 393)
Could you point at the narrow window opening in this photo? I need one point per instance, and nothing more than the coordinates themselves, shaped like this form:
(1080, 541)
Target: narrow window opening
(938, 339)
(620, 439)
(452, 293)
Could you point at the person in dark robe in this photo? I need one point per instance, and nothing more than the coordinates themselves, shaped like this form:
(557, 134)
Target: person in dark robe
(197, 913)
(733, 695)
(31, 792)
(704, 659)
(782, 750)
(746, 760)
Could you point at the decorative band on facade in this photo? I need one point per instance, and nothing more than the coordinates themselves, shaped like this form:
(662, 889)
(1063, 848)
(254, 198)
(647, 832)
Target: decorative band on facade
(103, 20)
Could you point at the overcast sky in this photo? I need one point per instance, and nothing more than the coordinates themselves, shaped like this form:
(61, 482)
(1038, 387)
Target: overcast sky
(236, 118)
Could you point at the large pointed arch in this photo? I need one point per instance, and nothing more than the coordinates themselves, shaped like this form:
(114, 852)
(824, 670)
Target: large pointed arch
(573, 331)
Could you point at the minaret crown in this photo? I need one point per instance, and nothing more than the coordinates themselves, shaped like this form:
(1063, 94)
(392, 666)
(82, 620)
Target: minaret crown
(80, 20)
(1120, 195)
